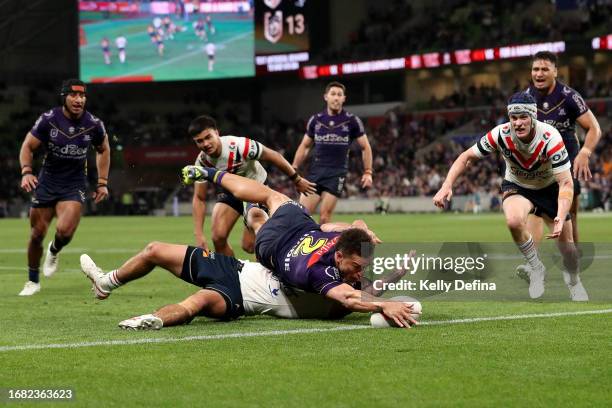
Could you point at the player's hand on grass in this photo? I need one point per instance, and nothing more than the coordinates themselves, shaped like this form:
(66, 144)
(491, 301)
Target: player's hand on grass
(581, 166)
(29, 182)
(100, 194)
(557, 228)
(302, 185)
(443, 196)
(400, 312)
(366, 180)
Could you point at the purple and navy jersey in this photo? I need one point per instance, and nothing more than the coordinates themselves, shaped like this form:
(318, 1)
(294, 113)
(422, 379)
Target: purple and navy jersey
(332, 135)
(66, 142)
(308, 263)
(560, 109)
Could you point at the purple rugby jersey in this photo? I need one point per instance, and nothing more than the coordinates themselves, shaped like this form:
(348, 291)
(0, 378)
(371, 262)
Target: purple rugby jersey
(66, 142)
(332, 135)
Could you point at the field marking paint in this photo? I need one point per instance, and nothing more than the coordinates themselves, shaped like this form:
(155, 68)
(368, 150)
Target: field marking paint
(26, 347)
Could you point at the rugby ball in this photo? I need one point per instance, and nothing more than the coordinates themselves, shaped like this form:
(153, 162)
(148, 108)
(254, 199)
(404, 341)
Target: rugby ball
(379, 320)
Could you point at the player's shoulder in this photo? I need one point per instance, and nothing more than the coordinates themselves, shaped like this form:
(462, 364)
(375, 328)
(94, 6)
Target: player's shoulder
(501, 130)
(88, 116)
(565, 90)
(548, 132)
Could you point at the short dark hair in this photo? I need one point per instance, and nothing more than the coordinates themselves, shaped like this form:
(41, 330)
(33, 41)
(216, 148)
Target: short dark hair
(201, 123)
(547, 56)
(335, 84)
(355, 241)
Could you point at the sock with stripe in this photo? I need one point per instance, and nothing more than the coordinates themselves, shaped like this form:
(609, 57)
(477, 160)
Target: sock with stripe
(110, 281)
(530, 252)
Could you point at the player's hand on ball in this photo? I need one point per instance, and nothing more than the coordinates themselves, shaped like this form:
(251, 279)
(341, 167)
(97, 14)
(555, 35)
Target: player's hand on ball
(400, 313)
(443, 196)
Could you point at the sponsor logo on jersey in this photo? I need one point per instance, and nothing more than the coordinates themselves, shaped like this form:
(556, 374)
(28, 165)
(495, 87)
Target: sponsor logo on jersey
(71, 151)
(53, 133)
(331, 138)
(332, 272)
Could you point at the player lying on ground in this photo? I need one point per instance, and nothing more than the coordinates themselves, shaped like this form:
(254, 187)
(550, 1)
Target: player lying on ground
(537, 180)
(325, 259)
(230, 288)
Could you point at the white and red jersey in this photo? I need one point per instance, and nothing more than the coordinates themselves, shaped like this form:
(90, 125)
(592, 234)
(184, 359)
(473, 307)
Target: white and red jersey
(239, 155)
(530, 165)
(121, 42)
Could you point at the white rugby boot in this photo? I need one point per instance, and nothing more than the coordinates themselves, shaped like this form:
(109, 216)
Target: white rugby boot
(51, 262)
(95, 274)
(577, 291)
(30, 288)
(144, 322)
(536, 282)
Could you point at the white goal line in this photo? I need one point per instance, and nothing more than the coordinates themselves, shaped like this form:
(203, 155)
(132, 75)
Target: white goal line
(286, 332)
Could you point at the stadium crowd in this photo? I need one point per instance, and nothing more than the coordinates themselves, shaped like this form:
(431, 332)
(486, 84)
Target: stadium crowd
(412, 150)
(403, 27)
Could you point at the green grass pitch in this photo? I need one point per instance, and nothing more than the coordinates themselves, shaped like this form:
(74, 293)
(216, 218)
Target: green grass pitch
(184, 57)
(554, 361)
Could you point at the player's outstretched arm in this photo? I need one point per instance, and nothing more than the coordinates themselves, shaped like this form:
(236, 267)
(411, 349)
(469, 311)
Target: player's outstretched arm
(302, 151)
(589, 122)
(301, 184)
(446, 191)
(564, 202)
(359, 301)
(26, 158)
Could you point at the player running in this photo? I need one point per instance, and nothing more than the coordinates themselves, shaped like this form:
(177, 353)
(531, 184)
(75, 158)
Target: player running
(331, 133)
(210, 52)
(561, 106)
(66, 132)
(537, 180)
(239, 155)
(121, 42)
(230, 288)
(105, 44)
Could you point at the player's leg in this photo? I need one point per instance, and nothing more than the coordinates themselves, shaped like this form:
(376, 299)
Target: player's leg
(40, 218)
(256, 217)
(310, 202)
(223, 219)
(574, 214)
(569, 253)
(167, 256)
(328, 204)
(68, 217)
(242, 188)
(204, 302)
(516, 209)
(535, 225)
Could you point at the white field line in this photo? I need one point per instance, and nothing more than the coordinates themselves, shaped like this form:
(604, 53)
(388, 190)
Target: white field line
(284, 332)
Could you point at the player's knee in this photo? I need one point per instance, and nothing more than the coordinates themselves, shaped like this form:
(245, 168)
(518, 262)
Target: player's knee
(248, 247)
(219, 239)
(37, 237)
(515, 223)
(65, 233)
(152, 250)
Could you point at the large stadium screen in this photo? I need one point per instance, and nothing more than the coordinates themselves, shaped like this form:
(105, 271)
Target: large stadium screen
(281, 35)
(144, 41)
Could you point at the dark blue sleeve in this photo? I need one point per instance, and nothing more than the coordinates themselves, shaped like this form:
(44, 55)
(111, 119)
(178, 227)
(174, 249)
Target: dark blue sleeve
(99, 132)
(575, 104)
(310, 126)
(357, 128)
(322, 278)
(41, 127)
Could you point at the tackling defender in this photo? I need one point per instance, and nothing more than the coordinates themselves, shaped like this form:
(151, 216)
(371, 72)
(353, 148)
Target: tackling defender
(238, 155)
(537, 180)
(59, 190)
(229, 288)
(562, 107)
(326, 259)
(331, 133)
